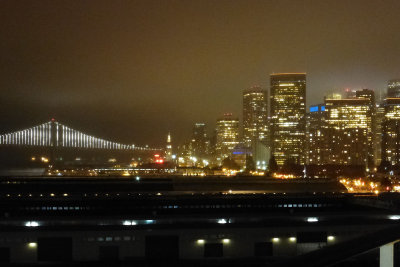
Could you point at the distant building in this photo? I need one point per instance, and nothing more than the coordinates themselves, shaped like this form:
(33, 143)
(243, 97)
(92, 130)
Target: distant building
(288, 110)
(255, 116)
(168, 149)
(349, 131)
(227, 136)
(391, 131)
(316, 141)
(200, 142)
(393, 88)
(240, 154)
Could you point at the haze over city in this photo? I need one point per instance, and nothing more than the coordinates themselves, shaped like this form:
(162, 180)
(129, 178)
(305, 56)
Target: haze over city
(134, 70)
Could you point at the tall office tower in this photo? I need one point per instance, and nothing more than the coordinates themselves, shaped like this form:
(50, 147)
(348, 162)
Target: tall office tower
(255, 116)
(227, 132)
(372, 148)
(287, 123)
(168, 148)
(391, 131)
(317, 146)
(200, 142)
(380, 116)
(393, 88)
(349, 131)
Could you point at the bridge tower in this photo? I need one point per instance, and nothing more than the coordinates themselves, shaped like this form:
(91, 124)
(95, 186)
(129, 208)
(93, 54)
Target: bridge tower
(55, 139)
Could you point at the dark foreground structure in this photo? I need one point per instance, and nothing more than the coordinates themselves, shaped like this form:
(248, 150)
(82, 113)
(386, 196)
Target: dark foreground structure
(201, 222)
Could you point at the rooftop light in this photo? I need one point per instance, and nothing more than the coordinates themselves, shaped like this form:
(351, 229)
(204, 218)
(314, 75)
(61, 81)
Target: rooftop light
(312, 219)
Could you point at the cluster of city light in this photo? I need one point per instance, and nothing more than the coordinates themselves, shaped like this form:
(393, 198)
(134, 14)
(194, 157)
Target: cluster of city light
(284, 176)
(360, 185)
(229, 172)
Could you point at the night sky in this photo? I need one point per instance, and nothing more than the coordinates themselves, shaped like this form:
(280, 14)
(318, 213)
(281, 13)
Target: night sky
(131, 71)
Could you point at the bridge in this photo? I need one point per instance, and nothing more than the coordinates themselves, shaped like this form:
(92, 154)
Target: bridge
(55, 134)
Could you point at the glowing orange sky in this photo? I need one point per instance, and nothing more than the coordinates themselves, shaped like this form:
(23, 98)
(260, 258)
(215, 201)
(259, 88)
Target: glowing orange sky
(134, 70)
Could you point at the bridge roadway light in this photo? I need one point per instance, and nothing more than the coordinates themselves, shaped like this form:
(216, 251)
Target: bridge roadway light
(275, 239)
(200, 241)
(226, 241)
(331, 238)
(292, 239)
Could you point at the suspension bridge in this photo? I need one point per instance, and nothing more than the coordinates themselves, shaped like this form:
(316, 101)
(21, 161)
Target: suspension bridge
(55, 134)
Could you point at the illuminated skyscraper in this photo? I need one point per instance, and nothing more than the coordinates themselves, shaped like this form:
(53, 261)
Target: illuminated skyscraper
(227, 132)
(380, 116)
(391, 131)
(349, 129)
(255, 116)
(390, 127)
(372, 148)
(288, 110)
(393, 88)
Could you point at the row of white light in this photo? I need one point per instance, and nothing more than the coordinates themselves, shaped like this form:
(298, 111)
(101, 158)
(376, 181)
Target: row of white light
(132, 222)
(73, 138)
(293, 239)
(274, 239)
(309, 219)
(202, 241)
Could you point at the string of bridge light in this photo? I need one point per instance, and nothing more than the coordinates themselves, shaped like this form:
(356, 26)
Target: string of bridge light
(56, 134)
(35, 136)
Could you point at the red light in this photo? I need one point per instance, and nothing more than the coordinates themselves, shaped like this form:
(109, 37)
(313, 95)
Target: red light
(159, 161)
(52, 119)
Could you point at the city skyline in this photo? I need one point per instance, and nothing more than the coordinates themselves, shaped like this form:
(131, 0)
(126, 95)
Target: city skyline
(200, 132)
(141, 68)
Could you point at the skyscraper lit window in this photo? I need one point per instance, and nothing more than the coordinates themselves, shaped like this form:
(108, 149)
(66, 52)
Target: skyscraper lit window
(288, 109)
